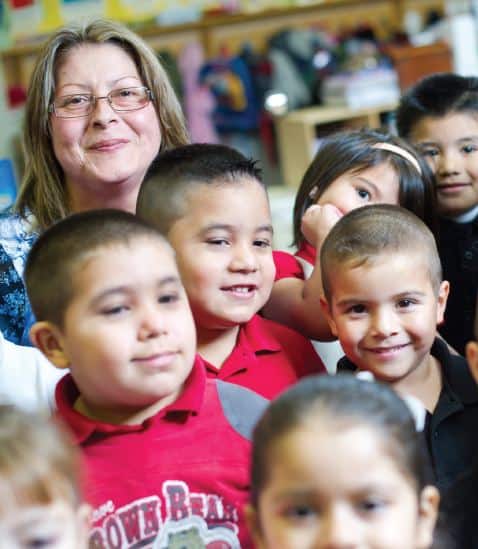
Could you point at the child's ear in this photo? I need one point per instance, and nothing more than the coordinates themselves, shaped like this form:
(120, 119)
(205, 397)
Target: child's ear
(471, 351)
(252, 521)
(441, 301)
(324, 304)
(428, 514)
(47, 337)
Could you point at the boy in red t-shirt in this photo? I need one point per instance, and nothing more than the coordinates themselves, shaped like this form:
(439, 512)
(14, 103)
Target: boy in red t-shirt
(166, 450)
(211, 204)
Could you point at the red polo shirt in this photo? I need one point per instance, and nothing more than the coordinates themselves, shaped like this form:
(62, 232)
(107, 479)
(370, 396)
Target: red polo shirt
(287, 265)
(181, 477)
(268, 358)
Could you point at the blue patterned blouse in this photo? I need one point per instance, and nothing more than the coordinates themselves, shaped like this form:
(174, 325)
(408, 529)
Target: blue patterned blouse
(16, 238)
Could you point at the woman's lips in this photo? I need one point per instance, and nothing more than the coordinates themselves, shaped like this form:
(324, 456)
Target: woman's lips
(107, 145)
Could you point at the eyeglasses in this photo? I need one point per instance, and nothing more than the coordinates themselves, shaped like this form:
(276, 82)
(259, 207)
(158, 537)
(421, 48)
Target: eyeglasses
(83, 104)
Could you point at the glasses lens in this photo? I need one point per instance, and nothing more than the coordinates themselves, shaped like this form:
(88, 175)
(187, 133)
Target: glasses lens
(73, 105)
(128, 99)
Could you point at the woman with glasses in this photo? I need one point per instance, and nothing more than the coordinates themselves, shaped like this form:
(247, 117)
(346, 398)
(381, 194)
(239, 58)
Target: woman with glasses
(100, 107)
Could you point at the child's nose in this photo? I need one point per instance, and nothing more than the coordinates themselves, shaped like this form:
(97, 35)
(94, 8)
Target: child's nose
(384, 323)
(449, 163)
(151, 323)
(338, 530)
(243, 258)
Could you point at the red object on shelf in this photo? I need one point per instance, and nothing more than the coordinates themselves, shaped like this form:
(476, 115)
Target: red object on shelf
(17, 95)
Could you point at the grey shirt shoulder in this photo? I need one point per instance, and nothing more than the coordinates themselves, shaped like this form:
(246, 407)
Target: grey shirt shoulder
(241, 406)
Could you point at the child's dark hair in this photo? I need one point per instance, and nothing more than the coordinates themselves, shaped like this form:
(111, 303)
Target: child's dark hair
(340, 400)
(161, 199)
(372, 231)
(38, 461)
(51, 263)
(436, 95)
(355, 151)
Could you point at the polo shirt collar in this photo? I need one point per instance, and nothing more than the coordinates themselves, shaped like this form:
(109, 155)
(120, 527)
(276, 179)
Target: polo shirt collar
(82, 427)
(256, 336)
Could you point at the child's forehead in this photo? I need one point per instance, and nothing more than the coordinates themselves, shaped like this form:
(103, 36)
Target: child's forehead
(451, 126)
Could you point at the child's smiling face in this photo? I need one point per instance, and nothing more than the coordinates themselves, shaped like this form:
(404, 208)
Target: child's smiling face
(450, 145)
(223, 246)
(385, 312)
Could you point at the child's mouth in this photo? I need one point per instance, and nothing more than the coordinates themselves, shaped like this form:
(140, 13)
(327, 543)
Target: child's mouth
(450, 188)
(241, 291)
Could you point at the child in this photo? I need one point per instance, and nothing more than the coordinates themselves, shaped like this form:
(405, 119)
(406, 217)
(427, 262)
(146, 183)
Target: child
(337, 463)
(384, 298)
(440, 116)
(39, 485)
(350, 170)
(166, 450)
(210, 203)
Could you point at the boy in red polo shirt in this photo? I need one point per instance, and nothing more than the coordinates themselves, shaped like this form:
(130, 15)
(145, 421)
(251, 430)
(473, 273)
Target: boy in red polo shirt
(211, 204)
(166, 449)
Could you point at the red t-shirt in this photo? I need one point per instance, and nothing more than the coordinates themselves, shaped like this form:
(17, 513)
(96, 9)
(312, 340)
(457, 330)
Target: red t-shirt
(287, 265)
(181, 477)
(268, 358)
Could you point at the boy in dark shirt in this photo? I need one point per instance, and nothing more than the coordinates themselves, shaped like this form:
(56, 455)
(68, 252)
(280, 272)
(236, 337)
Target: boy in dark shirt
(439, 115)
(384, 298)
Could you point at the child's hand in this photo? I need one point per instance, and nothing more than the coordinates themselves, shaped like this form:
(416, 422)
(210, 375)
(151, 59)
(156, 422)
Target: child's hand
(317, 222)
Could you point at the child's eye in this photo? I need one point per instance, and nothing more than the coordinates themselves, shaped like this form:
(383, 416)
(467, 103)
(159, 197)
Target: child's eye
(218, 241)
(40, 542)
(406, 303)
(371, 505)
(467, 149)
(168, 298)
(116, 310)
(262, 243)
(363, 193)
(430, 152)
(357, 309)
(300, 512)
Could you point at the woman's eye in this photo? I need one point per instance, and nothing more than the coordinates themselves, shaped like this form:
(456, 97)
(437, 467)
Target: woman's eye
(75, 100)
(363, 193)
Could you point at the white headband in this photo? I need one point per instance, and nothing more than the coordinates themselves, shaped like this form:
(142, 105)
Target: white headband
(401, 152)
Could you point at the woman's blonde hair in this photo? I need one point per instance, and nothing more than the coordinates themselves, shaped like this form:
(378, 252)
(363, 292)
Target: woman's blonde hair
(42, 191)
(38, 462)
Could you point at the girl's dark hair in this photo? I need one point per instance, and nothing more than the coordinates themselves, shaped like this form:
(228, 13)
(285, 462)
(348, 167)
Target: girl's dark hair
(353, 151)
(341, 398)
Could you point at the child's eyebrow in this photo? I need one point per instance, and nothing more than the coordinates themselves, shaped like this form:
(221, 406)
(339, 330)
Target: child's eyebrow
(170, 279)
(468, 138)
(231, 228)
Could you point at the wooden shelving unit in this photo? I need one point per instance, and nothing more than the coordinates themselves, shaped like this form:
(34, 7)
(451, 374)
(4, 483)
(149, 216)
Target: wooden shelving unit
(232, 31)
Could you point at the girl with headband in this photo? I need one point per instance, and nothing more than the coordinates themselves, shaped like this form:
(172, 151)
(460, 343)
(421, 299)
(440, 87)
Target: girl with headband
(351, 169)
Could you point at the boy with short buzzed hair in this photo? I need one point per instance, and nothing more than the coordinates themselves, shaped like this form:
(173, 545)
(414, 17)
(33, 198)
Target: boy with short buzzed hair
(211, 204)
(166, 450)
(384, 298)
(439, 115)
